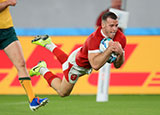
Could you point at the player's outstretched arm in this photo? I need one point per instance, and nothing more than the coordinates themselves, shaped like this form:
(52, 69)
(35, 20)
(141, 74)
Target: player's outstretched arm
(97, 60)
(5, 4)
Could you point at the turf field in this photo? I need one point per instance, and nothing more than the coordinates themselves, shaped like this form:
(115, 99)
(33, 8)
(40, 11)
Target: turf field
(83, 105)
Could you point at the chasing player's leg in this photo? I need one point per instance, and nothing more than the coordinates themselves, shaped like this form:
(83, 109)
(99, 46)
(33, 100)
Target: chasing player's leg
(45, 41)
(14, 50)
(62, 87)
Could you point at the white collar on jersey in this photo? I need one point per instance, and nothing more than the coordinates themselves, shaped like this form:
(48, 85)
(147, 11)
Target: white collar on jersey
(103, 34)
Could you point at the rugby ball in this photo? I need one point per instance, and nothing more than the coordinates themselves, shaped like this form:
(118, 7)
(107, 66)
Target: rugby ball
(104, 45)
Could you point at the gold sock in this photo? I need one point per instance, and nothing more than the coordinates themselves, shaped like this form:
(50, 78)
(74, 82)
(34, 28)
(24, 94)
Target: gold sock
(26, 83)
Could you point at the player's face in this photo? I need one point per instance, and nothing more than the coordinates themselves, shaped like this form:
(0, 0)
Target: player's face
(110, 27)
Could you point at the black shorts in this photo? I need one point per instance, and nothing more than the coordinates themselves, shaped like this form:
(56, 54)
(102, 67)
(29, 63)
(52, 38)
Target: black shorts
(7, 36)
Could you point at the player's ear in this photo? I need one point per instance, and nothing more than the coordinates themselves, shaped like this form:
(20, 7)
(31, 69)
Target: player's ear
(103, 24)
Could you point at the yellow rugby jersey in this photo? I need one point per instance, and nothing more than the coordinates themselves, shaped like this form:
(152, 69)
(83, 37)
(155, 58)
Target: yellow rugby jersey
(5, 18)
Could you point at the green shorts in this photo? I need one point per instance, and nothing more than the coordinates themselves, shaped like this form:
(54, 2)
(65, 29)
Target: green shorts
(7, 36)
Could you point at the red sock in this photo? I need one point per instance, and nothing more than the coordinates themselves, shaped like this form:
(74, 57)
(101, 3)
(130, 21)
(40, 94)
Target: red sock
(61, 56)
(49, 76)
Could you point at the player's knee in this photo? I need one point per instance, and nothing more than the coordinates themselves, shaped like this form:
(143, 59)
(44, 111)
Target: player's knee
(20, 64)
(64, 94)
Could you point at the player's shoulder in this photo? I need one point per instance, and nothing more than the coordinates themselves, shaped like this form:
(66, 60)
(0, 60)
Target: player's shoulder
(120, 37)
(96, 34)
(94, 39)
(120, 33)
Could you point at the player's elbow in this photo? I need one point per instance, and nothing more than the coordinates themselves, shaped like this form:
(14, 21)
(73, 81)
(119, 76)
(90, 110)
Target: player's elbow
(63, 94)
(117, 65)
(96, 67)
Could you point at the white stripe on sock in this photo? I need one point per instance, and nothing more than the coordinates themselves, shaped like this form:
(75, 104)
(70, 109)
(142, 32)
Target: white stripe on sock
(51, 46)
(43, 70)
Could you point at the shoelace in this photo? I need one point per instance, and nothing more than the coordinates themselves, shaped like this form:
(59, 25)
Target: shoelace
(38, 100)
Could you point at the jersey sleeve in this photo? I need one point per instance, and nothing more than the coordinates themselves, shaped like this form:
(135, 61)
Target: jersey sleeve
(93, 45)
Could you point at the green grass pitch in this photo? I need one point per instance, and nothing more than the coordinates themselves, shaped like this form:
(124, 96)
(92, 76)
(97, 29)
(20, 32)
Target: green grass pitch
(83, 105)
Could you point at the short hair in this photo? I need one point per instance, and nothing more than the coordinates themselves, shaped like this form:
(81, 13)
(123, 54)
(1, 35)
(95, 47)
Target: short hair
(109, 15)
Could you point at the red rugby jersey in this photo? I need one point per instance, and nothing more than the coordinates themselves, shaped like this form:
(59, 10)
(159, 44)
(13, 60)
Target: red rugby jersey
(91, 45)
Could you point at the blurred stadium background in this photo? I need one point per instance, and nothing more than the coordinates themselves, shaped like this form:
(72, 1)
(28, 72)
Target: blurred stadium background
(80, 13)
(134, 88)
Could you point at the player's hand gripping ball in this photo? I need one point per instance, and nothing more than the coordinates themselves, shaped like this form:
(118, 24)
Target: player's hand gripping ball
(103, 46)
